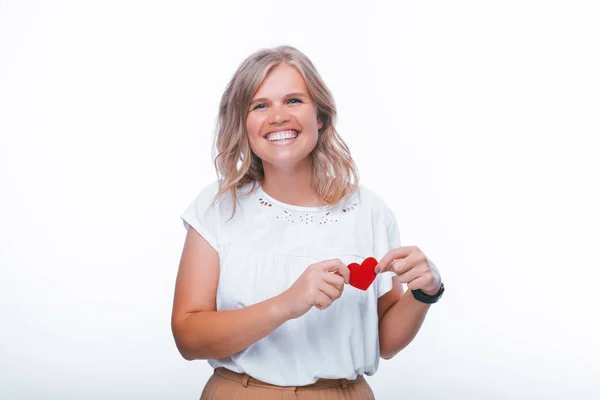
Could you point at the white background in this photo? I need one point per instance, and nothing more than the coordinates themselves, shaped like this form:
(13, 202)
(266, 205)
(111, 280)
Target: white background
(477, 122)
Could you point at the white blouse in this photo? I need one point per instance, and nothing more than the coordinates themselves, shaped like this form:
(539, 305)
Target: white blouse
(266, 246)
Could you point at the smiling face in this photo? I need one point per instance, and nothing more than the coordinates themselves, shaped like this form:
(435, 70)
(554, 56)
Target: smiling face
(282, 109)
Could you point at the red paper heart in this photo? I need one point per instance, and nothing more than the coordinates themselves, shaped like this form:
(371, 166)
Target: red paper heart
(361, 276)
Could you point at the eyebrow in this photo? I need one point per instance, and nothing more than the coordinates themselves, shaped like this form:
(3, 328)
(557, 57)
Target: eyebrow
(297, 94)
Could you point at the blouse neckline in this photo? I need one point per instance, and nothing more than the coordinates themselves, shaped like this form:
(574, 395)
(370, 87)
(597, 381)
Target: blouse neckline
(291, 206)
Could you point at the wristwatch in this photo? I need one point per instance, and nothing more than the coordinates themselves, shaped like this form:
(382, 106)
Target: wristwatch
(425, 298)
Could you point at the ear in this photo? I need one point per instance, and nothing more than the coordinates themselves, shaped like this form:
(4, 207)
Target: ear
(319, 123)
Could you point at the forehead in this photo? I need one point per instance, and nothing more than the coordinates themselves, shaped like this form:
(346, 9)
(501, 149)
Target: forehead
(281, 80)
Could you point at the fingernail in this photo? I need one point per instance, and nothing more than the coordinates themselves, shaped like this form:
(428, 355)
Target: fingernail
(376, 270)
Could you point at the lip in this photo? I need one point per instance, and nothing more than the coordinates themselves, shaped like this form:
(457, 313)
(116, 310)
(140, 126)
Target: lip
(280, 130)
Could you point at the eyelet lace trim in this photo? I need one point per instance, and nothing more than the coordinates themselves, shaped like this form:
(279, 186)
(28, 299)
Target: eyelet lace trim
(305, 218)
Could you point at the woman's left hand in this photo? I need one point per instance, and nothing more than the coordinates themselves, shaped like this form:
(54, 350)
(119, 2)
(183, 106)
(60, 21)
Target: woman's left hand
(413, 268)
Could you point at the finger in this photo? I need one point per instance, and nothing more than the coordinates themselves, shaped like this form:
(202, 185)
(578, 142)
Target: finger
(418, 283)
(401, 266)
(411, 274)
(385, 262)
(322, 301)
(330, 291)
(334, 279)
(329, 265)
(344, 272)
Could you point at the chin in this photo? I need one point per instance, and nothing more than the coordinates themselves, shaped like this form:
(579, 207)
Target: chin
(283, 161)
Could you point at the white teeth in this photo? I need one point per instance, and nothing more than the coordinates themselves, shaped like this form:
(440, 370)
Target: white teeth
(282, 135)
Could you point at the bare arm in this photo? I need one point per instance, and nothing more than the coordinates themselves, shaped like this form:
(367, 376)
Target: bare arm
(400, 318)
(200, 331)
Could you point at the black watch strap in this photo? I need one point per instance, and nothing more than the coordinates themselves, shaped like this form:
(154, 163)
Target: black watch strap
(425, 298)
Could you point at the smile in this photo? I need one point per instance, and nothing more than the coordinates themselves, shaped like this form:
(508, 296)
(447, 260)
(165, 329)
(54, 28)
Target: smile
(282, 136)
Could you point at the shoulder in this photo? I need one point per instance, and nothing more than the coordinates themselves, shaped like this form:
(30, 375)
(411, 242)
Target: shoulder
(370, 198)
(207, 196)
(208, 191)
(375, 203)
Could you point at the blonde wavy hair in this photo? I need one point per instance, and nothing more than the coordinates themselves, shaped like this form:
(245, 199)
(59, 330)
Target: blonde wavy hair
(333, 170)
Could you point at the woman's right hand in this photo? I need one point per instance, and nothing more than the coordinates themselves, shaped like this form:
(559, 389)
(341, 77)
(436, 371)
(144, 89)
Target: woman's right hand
(319, 286)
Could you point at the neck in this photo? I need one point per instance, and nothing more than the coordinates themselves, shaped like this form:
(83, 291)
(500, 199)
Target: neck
(290, 185)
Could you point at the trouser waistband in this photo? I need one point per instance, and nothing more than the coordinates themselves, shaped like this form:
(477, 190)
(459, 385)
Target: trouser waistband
(246, 380)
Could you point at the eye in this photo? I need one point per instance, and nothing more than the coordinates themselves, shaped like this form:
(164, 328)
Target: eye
(298, 100)
(258, 106)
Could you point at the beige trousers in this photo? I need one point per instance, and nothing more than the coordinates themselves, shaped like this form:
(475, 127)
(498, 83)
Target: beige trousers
(228, 385)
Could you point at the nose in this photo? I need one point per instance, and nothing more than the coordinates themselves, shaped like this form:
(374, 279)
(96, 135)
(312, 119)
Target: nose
(278, 114)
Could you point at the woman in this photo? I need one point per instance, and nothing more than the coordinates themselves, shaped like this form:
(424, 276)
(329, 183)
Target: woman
(263, 288)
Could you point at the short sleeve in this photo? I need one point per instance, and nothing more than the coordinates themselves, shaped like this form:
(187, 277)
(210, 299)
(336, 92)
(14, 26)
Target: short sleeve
(392, 240)
(393, 233)
(203, 216)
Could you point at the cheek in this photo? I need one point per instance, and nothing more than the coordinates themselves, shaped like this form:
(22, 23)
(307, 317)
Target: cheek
(309, 118)
(253, 124)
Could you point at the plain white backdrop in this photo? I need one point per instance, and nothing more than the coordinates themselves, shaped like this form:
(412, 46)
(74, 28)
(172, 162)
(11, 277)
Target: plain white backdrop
(477, 122)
